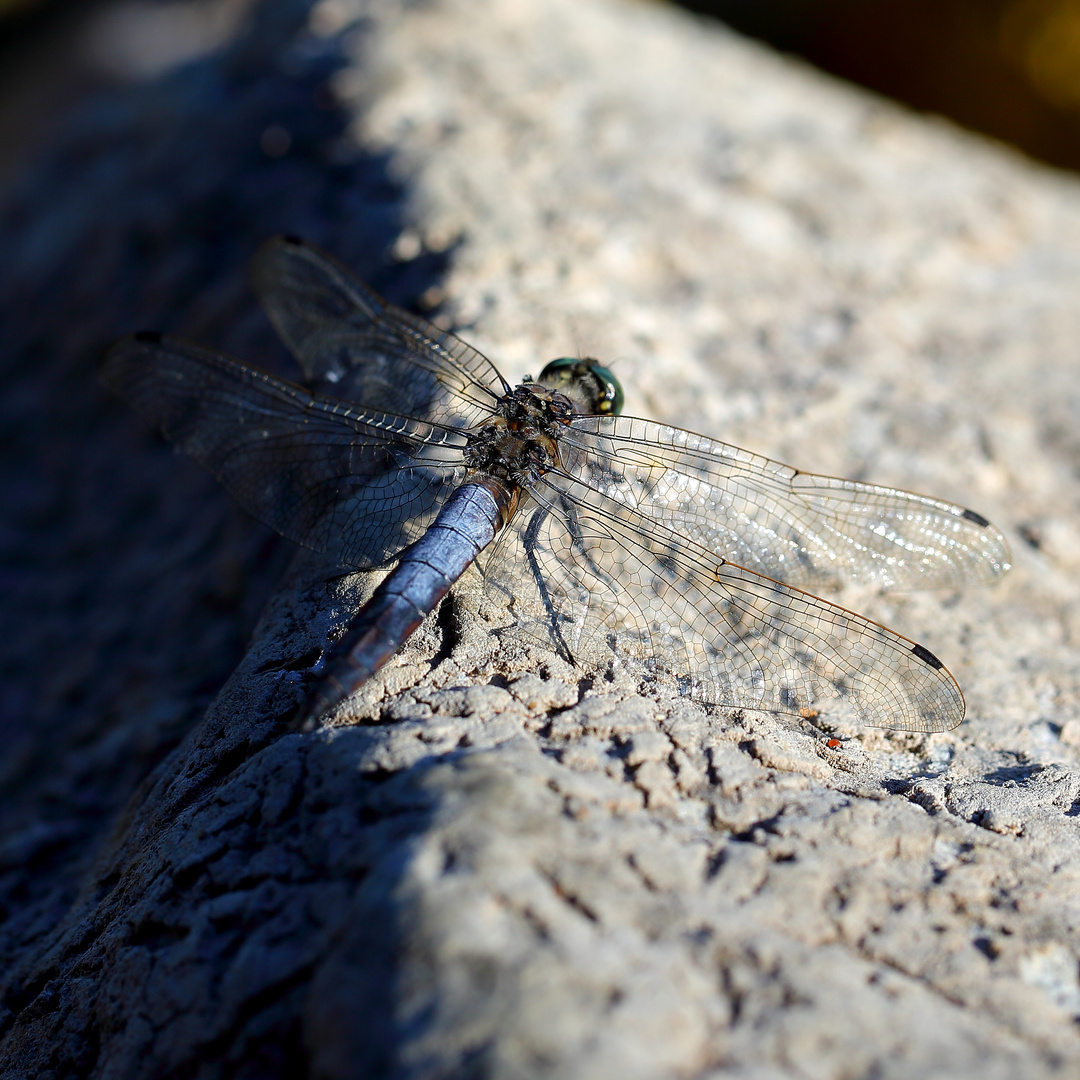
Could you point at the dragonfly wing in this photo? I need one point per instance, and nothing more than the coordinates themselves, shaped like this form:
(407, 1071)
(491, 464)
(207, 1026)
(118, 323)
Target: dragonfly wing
(599, 577)
(354, 344)
(808, 531)
(358, 484)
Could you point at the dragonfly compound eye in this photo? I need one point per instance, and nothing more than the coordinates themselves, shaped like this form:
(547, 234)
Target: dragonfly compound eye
(589, 385)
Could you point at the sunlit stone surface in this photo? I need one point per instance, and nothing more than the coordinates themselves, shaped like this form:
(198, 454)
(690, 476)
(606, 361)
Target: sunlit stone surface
(494, 864)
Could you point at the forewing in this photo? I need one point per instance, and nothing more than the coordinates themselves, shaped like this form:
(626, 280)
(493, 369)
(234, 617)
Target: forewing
(354, 344)
(805, 530)
(598, 578)
(356, 483)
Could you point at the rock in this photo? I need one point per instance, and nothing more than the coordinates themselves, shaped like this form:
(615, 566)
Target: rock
(486, 863)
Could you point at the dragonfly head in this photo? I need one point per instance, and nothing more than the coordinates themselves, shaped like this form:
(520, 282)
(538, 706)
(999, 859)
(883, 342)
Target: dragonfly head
(590, 387)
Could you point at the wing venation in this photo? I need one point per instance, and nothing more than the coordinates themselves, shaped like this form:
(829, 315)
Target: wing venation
(352, 343)
(805, 530)
(358, 484)
(600, 579)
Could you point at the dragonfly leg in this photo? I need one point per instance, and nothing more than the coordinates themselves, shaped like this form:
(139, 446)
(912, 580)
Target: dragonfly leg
(529, 542)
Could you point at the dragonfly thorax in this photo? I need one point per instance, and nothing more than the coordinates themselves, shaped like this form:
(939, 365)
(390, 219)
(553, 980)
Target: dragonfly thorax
(520, 442)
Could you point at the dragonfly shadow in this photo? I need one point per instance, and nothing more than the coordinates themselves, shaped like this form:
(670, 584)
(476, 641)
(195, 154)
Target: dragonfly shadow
(1013, 775)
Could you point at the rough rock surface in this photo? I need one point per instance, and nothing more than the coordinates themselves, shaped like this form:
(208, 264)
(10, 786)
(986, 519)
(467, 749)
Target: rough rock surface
(489, 864)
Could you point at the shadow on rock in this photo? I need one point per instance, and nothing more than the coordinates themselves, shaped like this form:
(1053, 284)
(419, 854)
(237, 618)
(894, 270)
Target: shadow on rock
(132, 584)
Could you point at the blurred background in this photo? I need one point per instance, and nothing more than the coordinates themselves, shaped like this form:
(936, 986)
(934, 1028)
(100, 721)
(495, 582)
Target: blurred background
(1007, 68)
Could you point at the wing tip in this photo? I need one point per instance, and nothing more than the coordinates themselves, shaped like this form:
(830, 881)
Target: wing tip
(111, 369)
(262, 262)
(997, 556)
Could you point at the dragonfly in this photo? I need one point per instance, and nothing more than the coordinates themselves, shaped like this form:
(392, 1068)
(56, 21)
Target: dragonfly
(613, 539)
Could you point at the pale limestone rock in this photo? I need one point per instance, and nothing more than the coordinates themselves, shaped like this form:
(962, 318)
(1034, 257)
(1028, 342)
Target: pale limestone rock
(489, 864)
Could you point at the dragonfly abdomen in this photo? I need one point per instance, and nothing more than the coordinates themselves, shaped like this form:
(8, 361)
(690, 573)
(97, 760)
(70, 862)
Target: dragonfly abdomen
(469, 520)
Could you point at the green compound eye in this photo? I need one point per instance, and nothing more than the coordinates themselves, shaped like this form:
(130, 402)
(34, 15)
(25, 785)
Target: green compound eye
(589, 385)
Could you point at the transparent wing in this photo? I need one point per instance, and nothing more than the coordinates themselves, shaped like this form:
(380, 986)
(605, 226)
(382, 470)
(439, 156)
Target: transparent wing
(359, 484)
(598, 578)
(805, 530)
(352, 343)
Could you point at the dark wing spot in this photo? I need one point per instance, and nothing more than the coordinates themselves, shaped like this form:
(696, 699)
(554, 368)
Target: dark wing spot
(978, 519)
(151, 337)
(926, 656)
(290, 239)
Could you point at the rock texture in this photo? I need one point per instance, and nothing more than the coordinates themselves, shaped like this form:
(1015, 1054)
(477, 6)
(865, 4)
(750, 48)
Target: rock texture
(489, 864)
